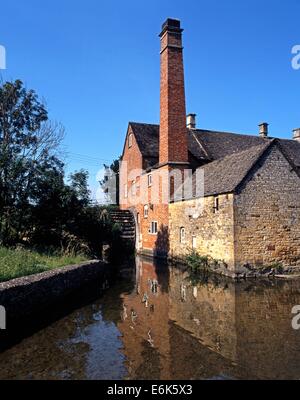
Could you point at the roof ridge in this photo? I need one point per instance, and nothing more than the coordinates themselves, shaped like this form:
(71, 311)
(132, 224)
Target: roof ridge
(229, 172)
(262, 145)
(264, 148)
(201, 145)
(141, 123)
(217, 131)
(244, 135)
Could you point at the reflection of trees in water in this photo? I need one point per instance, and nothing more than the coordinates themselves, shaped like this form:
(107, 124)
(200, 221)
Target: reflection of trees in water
(219, 328)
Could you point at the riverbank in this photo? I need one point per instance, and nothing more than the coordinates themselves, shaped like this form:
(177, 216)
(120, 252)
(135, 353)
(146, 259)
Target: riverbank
(228, 325)
(16, 263)
(32, 295)
(198, 264)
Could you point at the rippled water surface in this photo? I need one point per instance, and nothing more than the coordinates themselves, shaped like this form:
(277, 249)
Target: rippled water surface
(157, 322)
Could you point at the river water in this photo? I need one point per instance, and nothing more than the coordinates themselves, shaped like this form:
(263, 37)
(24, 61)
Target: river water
(158, 322)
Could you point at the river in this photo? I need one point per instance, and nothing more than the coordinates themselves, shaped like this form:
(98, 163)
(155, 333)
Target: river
(158, 322)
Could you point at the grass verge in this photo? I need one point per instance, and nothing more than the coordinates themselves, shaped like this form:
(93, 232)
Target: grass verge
(15, 263)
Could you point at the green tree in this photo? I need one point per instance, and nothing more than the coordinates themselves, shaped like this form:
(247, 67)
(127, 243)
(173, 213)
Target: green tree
(37, 207)
(28, 155)
(79, 183)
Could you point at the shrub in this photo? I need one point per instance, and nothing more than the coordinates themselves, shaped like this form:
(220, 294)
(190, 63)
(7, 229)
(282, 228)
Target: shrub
(196, 262)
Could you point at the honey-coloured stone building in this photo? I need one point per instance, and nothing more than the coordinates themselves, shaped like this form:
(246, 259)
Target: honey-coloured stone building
(246, 212)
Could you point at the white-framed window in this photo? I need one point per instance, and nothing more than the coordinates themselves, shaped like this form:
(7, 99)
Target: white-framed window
(149, 180)
(130, 140)
(194, 242)
(153, 228)
(138, 218)
(146, 210)
(216, 204)
(182, 234)
(125, 191)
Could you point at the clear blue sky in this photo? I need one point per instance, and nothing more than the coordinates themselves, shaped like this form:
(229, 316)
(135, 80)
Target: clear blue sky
(96, 63)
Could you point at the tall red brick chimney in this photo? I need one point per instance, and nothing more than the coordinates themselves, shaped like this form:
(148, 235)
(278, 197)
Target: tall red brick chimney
(173, 132)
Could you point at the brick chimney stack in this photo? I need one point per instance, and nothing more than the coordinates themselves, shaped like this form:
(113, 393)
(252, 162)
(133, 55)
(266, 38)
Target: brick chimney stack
(173, 132)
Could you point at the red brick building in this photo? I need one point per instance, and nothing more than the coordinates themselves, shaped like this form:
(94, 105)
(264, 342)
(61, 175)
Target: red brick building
(239, 172)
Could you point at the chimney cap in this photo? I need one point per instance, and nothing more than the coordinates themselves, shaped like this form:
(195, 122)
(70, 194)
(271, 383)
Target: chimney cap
(296, 134)
(191, 121)
(263, 124)
(263, 129)
(171, 25)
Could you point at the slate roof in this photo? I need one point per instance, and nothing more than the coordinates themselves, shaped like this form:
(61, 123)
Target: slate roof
(225, 174)
(225, 157)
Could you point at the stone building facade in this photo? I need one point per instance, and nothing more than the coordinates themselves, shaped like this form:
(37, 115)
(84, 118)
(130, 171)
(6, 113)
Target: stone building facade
(233, 197)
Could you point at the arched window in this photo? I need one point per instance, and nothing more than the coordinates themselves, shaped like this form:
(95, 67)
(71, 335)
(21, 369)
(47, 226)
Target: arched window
(182, 234)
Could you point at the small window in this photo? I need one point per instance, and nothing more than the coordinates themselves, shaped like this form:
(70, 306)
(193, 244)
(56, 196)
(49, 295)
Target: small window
(153, 228)
(146, 211)
(216, 204)
(138, 218)
(182, 235)
(150, 180)
(194, 242)
(125, 191)
(130, 140)
(133, 188)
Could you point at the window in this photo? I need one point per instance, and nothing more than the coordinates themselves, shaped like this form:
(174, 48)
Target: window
(182, 235)
(138, 218)
(150, 180)
(125, 191)
(172, 189)
(153, 228)
(130, 140)
(146, 211)
(133, 188)
(194, 242)
(216, 204)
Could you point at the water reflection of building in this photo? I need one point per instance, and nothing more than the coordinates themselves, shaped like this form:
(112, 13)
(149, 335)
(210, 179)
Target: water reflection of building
(168, 326)
(145, 324)
(211, 329)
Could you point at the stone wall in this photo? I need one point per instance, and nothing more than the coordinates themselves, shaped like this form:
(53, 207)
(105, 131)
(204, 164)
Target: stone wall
(212, 229)
(24, 296)
(267, 214)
